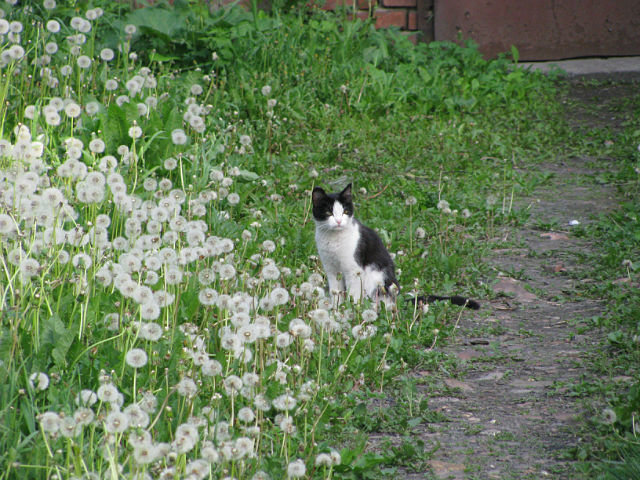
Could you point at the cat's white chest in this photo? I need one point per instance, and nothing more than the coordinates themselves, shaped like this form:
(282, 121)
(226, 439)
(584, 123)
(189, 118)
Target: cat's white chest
(337, 249)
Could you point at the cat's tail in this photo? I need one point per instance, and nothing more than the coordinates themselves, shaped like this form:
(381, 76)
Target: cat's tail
(455, 299)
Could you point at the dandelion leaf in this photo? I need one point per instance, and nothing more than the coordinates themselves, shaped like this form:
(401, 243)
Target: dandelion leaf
(55, 334)
(5, 344)
(159, 21)
(115, 126)
(248, 176)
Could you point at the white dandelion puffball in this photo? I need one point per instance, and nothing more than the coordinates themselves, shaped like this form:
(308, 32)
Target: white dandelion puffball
(178, 137)
(136, 358)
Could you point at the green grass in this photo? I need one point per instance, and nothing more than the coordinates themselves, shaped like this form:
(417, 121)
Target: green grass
(214, 194)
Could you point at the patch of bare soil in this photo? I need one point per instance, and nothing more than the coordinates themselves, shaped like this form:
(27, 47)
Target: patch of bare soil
(509, 411)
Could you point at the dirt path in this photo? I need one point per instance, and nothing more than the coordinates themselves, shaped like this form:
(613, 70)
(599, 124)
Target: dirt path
(509, 412)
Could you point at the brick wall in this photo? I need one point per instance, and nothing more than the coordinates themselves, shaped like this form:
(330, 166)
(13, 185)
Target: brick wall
(411, 16)
(387, 13)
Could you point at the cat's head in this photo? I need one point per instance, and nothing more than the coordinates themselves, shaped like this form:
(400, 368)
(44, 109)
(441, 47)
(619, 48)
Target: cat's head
(333, 211)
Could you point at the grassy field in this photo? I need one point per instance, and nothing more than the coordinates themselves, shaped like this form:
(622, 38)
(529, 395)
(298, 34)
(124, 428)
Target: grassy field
(163, 311)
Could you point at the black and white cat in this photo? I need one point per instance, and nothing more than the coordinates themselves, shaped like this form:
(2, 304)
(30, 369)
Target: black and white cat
(353, 255)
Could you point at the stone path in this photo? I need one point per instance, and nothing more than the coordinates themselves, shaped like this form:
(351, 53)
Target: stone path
(509, 411)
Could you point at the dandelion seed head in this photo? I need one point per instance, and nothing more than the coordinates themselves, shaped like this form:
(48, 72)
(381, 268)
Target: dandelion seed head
(138, 418)
(97, 145)
(609, 416)
(186, 387)
(111, 84)
(130, 29)
(135, 132)
(15, 27)
(50, 422)
(39, 381)
(106, 54)
(116, 422)
(296, 469)
(178, 137)
(83, 62)
(136, 358)
(83, 416)
(270, 272)
(227, 271)
(72, 110)
(246, 415)
(86, 398)
(279, 296)
(51, 48)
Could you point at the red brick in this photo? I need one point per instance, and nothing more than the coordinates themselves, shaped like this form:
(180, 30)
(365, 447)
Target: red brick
(412, 20)
(391, 18)
(366, 4)
(400, 3)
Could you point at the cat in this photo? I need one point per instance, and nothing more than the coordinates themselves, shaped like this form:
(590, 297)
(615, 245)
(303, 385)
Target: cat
(353, 255)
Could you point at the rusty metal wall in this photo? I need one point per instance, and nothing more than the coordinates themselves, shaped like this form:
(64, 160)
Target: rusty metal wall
(542, 29)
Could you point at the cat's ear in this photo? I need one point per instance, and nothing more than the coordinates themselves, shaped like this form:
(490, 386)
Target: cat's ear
(318, 195)
(346, 193)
